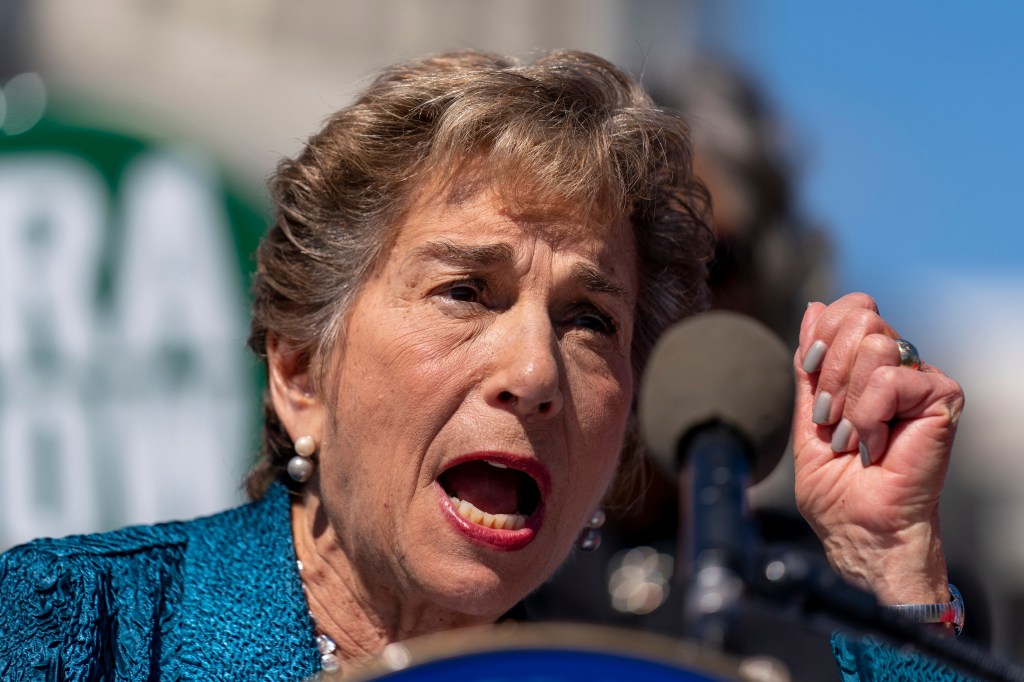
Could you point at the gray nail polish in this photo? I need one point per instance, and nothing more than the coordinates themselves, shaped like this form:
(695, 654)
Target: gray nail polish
(822, 407)
(841, 436)
(815, 354)
(865, 458)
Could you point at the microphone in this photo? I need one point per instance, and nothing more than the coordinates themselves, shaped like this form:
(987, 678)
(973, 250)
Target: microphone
(718, 368)
(715, 403)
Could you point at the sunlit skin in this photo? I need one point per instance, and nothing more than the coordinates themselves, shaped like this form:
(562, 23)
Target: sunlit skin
(486, 333)
(481, 330)
(880, 523)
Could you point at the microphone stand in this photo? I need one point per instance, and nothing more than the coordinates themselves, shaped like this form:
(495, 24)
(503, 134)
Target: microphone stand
(716, 531)
(804, 582)
(729, 567)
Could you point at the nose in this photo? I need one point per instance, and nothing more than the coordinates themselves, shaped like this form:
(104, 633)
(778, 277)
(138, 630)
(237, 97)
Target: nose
(525, 377)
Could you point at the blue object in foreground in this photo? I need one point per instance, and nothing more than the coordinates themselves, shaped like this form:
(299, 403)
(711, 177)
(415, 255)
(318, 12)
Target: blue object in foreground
(534, 665)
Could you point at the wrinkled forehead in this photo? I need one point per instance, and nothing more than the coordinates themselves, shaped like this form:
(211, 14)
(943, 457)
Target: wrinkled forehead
(526, 201)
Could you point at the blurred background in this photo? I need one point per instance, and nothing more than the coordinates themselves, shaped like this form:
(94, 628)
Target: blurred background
(136, 137)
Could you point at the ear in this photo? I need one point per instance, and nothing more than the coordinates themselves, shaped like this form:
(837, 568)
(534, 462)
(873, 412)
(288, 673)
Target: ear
(299, 408)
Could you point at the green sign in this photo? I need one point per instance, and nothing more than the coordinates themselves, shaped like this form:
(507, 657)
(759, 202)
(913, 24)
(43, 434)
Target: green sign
(126, 393)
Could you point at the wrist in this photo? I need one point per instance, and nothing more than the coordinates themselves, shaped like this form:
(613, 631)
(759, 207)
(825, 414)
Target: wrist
(905, 567)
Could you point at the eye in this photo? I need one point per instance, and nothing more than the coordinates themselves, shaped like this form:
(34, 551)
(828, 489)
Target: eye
(469, 291)
(593, 319)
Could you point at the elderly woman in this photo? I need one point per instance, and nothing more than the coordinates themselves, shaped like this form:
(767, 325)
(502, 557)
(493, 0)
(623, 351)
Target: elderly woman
(467, 271)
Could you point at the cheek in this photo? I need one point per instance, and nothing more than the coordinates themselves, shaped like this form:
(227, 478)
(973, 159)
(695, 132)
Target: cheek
(602, 392)
(602, 403)
(408, 370)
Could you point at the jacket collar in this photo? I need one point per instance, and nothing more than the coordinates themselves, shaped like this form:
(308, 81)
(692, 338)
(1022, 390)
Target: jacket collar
(243, 609)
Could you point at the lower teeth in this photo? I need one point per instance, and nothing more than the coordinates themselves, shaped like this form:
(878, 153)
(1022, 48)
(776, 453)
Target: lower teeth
(471, 513)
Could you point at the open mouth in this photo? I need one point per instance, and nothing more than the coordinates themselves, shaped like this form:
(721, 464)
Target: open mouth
(492, 494)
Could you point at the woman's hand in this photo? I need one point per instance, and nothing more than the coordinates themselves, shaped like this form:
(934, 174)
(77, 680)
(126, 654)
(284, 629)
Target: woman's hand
(872, 442)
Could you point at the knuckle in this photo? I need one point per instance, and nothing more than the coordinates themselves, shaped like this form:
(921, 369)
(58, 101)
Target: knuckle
(957, 400)
(885, 378)
(881, 346)
(863, 318)
(862, 300)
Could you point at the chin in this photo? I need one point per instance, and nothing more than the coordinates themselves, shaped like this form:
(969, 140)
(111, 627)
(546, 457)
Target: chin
(472, 587)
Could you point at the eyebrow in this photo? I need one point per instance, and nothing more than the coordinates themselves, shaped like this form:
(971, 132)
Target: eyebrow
(592, 279)
(485, 255)
(488, 255)
(466, 256)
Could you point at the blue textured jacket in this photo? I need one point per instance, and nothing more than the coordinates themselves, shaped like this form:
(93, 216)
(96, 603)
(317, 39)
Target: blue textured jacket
(218, 598)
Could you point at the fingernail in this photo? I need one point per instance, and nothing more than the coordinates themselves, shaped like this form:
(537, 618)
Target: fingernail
(865, 458)
(822, 407)
(815, 354)
(841, 436)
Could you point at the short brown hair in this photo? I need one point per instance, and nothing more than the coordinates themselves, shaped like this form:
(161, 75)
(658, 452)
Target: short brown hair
(570, 124)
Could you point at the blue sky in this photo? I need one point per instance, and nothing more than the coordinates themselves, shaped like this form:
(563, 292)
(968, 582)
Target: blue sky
(909, 118)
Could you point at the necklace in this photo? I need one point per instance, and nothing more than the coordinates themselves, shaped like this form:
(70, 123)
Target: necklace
(324, 644)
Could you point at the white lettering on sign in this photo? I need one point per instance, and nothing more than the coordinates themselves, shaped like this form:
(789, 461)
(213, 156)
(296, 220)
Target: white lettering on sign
(125, 390)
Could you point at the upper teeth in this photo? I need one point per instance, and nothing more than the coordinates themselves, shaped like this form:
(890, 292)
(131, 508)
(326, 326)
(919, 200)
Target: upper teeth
(496, 465)
(471, 513)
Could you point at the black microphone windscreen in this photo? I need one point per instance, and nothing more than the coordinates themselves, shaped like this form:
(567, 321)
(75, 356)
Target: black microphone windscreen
(718, 367)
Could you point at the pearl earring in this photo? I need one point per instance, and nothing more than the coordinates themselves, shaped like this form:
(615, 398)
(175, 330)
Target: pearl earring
(590, 538)
(300, 466)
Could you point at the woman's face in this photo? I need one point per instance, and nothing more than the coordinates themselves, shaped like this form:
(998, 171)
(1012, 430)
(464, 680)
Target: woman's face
(484, 369)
